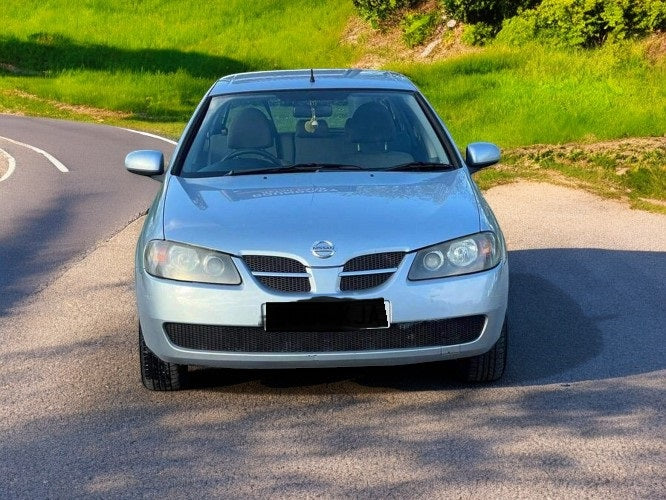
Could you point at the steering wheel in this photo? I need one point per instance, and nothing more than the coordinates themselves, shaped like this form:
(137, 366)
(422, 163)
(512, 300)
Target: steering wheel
(258, 152)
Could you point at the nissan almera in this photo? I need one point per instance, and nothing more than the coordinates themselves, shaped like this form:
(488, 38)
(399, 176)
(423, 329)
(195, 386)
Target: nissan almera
(318, 219)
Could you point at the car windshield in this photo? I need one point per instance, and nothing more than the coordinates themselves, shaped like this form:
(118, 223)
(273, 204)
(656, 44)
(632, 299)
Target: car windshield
(313, 131)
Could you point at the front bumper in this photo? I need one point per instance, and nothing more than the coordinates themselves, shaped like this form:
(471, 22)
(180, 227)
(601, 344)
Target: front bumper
(169, 302)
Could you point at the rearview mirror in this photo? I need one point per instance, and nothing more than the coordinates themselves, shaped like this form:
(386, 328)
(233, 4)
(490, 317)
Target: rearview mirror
(145, 162)
(481, 154)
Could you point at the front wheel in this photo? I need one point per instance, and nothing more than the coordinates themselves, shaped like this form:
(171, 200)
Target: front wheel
(488, 366)
(158, 375)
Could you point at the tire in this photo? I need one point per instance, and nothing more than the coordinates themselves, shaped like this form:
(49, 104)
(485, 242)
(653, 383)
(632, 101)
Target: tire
(158, 375)
(485, 367)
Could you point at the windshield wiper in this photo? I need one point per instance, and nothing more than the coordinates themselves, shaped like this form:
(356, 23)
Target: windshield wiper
(420, 166)
(298, 167)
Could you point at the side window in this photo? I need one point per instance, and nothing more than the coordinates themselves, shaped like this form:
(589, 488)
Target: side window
(199, 157)
(424, 135)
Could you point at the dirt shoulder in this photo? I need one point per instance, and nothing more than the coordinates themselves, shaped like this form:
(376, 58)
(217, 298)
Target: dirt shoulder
(380, 47)
(631, 170)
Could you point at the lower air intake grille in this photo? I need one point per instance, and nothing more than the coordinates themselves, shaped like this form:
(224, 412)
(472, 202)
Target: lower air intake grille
(441, 332)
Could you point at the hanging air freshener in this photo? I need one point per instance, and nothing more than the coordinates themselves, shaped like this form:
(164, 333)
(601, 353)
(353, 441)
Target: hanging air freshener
(312, 124)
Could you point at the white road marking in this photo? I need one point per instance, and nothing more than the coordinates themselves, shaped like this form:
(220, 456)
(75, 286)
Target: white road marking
(46, 155)
(148, 134)
(11, 164)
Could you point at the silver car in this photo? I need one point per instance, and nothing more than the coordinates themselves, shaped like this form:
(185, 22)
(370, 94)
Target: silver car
(318, 219)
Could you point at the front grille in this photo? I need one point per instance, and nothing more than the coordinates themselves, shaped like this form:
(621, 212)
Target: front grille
(291, 284)
(362, 281)
(372, 262)
(273, 264)
(273, 272)
(270, 271)
(355, 272)
(443, 332)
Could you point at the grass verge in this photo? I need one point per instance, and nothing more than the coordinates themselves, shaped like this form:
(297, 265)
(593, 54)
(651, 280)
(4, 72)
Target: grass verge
(13, 101)
(631, 170)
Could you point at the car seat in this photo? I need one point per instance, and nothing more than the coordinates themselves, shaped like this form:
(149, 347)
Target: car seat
(371, 130)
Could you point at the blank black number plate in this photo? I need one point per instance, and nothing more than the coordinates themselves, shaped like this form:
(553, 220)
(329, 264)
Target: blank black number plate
(325, 316)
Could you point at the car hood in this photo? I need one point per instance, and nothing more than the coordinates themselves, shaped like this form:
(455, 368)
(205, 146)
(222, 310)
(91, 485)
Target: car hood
(285, 214)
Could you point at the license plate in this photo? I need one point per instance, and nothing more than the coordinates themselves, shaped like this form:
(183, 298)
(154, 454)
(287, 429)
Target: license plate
(325, 316)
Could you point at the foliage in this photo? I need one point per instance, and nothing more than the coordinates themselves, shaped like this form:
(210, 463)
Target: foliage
(477, 34)
(519, 30)
(377, 11)
(585, 23)
(417, 27)
(489, 12)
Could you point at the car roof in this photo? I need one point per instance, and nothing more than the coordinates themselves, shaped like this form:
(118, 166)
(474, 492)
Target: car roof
(300, 80)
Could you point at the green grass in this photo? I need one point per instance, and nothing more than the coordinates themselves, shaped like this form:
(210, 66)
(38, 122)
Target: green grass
(145, 64)
(152, 60)
(252, 33)
(155, 59)
(536, 95)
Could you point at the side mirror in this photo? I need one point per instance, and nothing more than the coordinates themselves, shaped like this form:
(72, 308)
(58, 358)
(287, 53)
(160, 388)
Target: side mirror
(145, 162)
(481, 154)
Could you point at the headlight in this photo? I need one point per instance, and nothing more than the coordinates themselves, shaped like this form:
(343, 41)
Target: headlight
(175, 261)
(470, 254)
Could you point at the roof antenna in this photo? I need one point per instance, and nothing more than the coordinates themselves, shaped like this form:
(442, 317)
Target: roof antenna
(312, 80)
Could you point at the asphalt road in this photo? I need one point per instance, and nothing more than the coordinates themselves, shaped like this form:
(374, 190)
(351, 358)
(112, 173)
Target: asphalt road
(49, 217)
(580, 412)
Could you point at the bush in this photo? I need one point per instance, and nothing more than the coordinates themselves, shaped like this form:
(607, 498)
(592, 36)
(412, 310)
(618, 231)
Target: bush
(489, 12)
(477, 34)
(416, 28)
(519, 30)
(585, 23)
(378, 11)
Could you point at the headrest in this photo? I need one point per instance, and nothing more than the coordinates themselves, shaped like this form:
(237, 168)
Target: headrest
(250, 129)
(371, 122)
(304, 110)
(320, 131)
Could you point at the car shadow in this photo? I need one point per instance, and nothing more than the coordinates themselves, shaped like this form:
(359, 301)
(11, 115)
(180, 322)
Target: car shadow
(574, 314)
